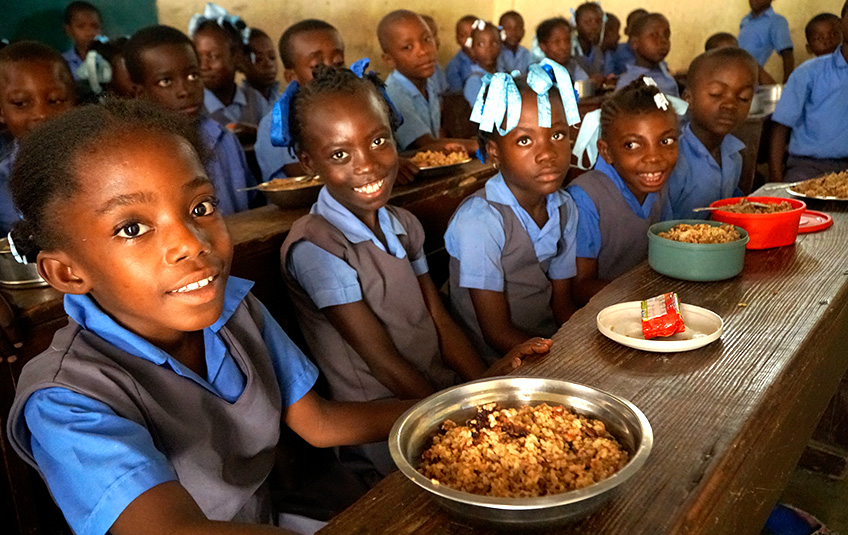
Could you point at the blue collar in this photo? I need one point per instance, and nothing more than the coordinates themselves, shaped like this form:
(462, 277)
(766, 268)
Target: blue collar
(602, 166)
(213, 103)
(729, 145)
(409, 87)
(497, 191)
(768, 12)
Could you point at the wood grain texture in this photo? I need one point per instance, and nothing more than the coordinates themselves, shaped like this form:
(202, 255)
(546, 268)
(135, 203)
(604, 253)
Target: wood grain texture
(730, 420)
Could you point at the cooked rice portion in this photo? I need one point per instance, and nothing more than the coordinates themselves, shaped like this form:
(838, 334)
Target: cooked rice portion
(431, 158)
(523, 452)
(701, 233)
(829, 185)
(284, 184)
(744, 206)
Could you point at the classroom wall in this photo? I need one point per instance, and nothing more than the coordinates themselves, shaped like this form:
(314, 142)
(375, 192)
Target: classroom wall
(692, 21)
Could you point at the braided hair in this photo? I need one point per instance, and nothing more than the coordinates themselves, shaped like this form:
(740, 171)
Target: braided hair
(50, 165)
(636, 98)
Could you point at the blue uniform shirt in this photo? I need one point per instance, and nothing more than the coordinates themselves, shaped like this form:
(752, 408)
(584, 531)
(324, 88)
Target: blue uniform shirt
(248, 106)
(474, 83)
(519, 60)
(457, 70)
(8, 213)
(328, 279)
(665, 82)
(814, 104)
(621, 58)
(698, 180)
(420, 115)
(763, 34)
(441, 80)
(271, 159)
(589, 228)
(226, 167)
(272, 97)
(476, 237)
(73, 59)
(98, 462)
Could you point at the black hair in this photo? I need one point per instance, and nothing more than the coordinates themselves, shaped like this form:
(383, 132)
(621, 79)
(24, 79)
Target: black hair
(612, 18)
(547, 27)
(308, 25)
(32, 51)
(821, 17)
(508, 14)
(844, 9)
(637, 13)
(111, 48)
(50, 162)
(487, 26)
(642, 22)
(636, 98)
(465, 18)
(720, 58)
(389, 20)
(586, 6)
(79, 7)
(256, 33)
(716, 39)
(329, 80)
(231, 32)
(145, 39)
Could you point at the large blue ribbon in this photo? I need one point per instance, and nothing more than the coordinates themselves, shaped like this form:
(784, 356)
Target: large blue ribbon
(502, 100)
(219, 15)
(565, 86)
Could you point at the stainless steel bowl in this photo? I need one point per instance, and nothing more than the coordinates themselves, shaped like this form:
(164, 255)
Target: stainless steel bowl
(15, 275)
(294, 192)
(584, 88)
(413, 431)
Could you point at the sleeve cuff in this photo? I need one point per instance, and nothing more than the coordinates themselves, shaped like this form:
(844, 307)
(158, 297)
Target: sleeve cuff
(481, 282)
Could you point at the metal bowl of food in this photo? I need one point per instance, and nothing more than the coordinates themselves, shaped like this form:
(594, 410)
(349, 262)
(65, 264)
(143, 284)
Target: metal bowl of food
(14, 274)
(414, 431)
(294, 192)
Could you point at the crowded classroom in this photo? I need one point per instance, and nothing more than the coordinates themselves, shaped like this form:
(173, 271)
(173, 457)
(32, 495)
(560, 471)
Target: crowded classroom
(430, 268)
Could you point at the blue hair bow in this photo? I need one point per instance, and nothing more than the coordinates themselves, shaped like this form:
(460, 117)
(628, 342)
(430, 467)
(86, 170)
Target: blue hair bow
(219, 15)
(95, 70)
(541, 77)
(503, 99)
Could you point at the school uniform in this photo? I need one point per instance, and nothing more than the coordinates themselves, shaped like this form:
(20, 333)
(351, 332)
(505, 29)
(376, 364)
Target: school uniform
(613, 225)
(698, 180)
(271, 159)
(474, 83)
(622, 56)
(226, 167)
(763, 34)
(494, 244)
(814, 104)
(665, 81)
(273, 96)
(576, 72)
(104, 415)
(421, 115)
(591, 62)
(519, 60)
(457, 70)
(73, 60)
(8, 213)
(441, 80)
(248, 106)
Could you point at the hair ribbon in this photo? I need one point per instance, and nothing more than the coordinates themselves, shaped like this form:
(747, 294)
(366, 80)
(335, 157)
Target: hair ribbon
(95, 70)
(502, 100)
(219, 15)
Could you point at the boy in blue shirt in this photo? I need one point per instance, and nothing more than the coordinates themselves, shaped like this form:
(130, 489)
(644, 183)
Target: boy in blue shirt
(823, 33)
(709, 163)
(810, 116)
(513, 57)
(459, 67)
(762, 31)
(589, 22)
(650, 39)
(82, 24)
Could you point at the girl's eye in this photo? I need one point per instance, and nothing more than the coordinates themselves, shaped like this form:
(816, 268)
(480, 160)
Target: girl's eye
(193, 77)
(523, 141)
(164, 82)
(631, 145)
(132, 230)
(379, 141)
(669, 141)
(55, 101)
(338, 155)
(558, 136)
(207, 207)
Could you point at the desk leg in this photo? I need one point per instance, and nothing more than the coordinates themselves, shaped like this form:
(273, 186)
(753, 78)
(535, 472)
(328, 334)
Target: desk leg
(827, 452)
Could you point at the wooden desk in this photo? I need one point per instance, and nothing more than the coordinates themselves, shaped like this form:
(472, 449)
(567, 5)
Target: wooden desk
(730, 420)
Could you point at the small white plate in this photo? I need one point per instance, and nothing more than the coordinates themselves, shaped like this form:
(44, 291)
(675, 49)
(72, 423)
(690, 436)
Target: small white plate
(623, 323)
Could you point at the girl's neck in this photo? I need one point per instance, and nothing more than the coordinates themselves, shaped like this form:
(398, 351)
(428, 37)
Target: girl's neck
(711, 141)
(490, 68)
(585, 44)
(640, 195)
(420, 85)
(226, 93)
(82, 52)
(642, 62)
(534, 204)
(512, 49)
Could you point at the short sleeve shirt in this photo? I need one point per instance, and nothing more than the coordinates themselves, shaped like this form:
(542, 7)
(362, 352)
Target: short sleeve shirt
(763, 34)
(226, 167)
(457, 70)
(519, 60)
(271, 159)
(421, 115)
(665, 82)
(248, 106)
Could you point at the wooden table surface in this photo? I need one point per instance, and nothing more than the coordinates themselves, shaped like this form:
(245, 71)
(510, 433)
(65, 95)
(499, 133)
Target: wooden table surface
(730, 420)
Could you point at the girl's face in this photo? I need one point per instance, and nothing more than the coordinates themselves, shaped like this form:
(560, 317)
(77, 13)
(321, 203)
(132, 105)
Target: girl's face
(347, 140)
(261, 69)
(558, 45)
(485, 47)
(589, 24)
(654, 42)
(217, 62)
(642, 148)
(532, 159)
(143, 237)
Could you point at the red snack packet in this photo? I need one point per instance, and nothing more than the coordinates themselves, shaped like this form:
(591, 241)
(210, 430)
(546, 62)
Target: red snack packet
(661, 316)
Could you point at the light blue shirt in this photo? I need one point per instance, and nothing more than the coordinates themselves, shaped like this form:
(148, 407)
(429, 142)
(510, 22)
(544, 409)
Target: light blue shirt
(328, 279)
(458, 70)
(763, 34)
(519, 60)
(476, 237)
(421, 115)
(271, 159)
(272, 97)
(96, 462)
(441, 80)
(621, 58)
(8, 213)
(589, 227)
(665, 82)
(226, 167)
(248, 106)
(73, 60)
(698, 180)
(474, 83)
(814, 104)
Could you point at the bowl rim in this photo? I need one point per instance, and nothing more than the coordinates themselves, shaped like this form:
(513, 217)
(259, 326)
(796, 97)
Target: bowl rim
(637, 460)
(654, 237)
(765, 199)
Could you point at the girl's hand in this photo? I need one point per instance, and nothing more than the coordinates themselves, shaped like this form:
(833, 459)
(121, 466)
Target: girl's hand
(406, 171)
(516, 356)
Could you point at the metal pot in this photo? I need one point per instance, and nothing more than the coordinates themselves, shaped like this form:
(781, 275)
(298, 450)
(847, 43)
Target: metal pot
(14, 274)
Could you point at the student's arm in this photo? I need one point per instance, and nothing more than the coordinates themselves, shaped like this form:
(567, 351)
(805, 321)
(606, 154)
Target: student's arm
(562, 302)
(788, 63)
(765, 78)
(361, 328)
(169, 508)
(777, 151)
(492, 310)
(586, 283)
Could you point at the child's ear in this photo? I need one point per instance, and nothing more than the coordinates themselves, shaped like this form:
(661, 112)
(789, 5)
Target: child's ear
(289, 75)
(604, 150)
(306, 162)
(59, 271)
(390, 61)
(492, 151)
(687, 95)
(808, 49)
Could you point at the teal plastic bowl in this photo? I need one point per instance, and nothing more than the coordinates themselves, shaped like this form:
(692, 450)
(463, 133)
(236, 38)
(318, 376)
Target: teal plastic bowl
(695, 261)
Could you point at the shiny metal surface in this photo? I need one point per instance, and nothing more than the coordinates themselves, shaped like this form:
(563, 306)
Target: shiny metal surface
(15, 275)
(765, 99)
(412, 432)
(584, 88)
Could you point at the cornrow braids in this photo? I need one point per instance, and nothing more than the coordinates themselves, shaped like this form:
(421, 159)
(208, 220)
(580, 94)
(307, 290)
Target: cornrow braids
(50, 165)
(636, 98)
(328, 80)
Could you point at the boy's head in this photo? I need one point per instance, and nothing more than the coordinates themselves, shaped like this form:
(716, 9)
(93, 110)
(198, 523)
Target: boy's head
(650, 38)
(35, 84)
(434, 28)
(463, 31)
(720, 40)
(513, 27)
(824, 34)
(407, 44)
(163, 65)
(758, 6)
(82, 24)
(307, 44)
(221, 53)
(612, 33)
(589, 18)
(721, 85)
(632, 17)
(554, 37)
(260, 69)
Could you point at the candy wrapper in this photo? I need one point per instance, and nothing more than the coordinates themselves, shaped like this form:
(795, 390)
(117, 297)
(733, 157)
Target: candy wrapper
(661, 316)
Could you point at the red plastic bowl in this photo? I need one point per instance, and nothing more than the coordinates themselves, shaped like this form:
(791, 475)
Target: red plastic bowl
(765, 230)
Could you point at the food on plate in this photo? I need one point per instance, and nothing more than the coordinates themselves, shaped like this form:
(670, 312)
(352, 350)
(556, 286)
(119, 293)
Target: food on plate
(830, 185)
(431, 158)
(283, 184)
(744, 206)
(701, 233)
(661, 316)
(522, 452)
